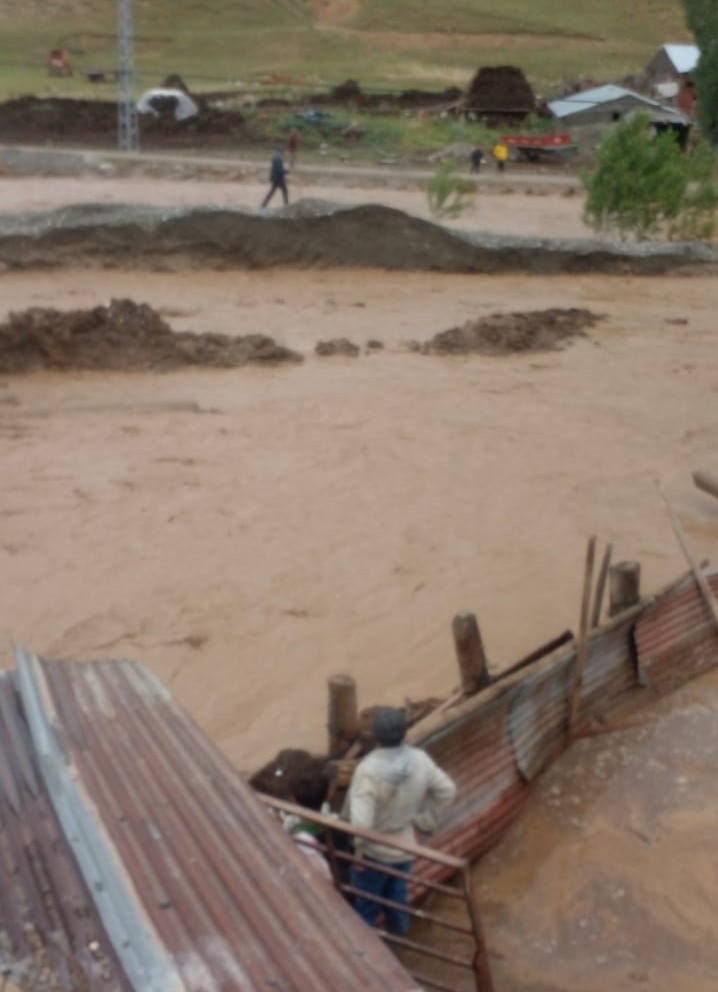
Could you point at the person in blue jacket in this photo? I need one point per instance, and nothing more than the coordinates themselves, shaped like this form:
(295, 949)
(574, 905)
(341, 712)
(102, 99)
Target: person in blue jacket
(277, 178)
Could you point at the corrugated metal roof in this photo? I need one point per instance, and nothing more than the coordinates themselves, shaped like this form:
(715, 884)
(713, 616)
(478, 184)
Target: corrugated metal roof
(48, 922)
(198, 886)
(603, 95)
(683, 57)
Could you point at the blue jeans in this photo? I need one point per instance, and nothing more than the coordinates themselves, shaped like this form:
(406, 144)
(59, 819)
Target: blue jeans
(375, 882)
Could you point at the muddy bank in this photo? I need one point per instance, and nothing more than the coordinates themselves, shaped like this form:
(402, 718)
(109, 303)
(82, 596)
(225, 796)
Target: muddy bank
(124, 336)
(129, 337)
(505, 333)
(310, 233)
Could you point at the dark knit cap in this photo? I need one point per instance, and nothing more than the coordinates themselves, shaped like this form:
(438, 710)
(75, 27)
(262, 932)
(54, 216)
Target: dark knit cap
(389, 726)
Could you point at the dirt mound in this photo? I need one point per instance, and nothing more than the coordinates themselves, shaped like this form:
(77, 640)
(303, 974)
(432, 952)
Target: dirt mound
(500, 93)
(507, 333)
(349, 94)
(122, 336)
(94, 123)
(338, 346)
(309, 233)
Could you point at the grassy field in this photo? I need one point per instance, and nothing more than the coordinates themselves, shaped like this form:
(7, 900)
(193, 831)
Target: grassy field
(392, 44)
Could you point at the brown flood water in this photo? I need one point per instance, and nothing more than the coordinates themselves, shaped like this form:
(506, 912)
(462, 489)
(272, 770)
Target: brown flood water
(249, 533)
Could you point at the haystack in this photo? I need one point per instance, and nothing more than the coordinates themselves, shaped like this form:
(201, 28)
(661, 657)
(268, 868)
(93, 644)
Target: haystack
(500, 93)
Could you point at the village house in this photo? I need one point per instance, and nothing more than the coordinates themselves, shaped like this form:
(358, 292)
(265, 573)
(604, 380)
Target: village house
(590, 113)
(669, 76)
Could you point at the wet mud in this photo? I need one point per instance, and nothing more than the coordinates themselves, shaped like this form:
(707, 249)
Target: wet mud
(310, 233)
(507, 333)
(124, 336)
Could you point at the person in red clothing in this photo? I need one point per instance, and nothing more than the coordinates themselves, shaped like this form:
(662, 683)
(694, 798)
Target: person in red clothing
(293, 147)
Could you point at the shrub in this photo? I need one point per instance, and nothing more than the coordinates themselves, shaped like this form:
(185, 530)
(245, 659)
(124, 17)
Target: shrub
(449, 195)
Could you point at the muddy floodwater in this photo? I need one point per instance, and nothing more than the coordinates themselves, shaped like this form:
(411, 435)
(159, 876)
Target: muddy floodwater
(248, 532)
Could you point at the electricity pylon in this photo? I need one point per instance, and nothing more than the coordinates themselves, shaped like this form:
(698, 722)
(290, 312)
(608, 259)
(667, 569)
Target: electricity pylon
(128, 132)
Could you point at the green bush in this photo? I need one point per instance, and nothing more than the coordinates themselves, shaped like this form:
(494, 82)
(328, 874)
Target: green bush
(449, 195)
(645, 186)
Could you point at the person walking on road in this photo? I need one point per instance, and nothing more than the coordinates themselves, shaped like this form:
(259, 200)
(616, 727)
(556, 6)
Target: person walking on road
(394, 789)
(476, 158)
(277, 179)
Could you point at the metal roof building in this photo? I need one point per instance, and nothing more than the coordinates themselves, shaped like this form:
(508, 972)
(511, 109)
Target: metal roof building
(608, 104)
(194, 885)
(671, 61)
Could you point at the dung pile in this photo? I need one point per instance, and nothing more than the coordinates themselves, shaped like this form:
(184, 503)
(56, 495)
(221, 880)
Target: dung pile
(124, 336)
(93, 123)
(500, 93)
(508, 333)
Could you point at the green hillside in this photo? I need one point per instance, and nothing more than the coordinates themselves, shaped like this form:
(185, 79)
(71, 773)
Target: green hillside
(217, 44)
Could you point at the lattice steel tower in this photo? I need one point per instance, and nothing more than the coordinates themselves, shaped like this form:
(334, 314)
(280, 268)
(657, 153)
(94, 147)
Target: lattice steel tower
(128, 132)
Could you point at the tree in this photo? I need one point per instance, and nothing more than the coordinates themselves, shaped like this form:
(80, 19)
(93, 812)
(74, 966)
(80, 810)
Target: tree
(702, 19)
(645, 186)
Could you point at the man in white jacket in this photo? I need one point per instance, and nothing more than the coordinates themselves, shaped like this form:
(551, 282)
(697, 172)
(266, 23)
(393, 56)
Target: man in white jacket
(394, 788)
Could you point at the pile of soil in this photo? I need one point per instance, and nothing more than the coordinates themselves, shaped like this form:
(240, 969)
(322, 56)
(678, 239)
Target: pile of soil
(338, 346)
(93, 123)
(500, 93)
(349, 93)
(507, 333)
(124, 336)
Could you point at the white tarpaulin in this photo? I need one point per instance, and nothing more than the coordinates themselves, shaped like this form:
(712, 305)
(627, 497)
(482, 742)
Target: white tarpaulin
(184, 107)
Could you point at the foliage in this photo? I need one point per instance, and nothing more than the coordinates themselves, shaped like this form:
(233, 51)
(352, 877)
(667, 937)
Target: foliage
(449, 195)
(366, 135)
(644, 185)
(702, 19)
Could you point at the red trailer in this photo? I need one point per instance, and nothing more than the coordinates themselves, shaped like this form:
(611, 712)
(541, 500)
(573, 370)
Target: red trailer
(533, 147)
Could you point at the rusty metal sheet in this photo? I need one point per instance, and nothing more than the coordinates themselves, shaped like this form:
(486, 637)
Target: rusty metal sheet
(610, 670)
(221, 897)
(539, 709)
(478, 754)
(676, 639)
(538, 716)
(48, 923)
(495, 749)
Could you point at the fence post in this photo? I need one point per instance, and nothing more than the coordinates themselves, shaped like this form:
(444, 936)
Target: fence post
(343, 721)
(470, 653)
(625, 585)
